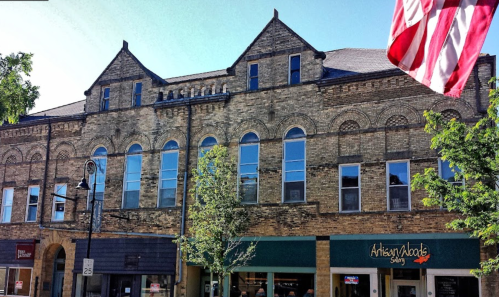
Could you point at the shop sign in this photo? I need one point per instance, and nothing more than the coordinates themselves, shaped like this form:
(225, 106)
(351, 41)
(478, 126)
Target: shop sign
(25, 251)
(400, 253)
(154, 288)
(19, 285)
(351, 280)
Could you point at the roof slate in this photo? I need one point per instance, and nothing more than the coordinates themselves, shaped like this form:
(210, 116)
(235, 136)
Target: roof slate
(74, 108)
(203, 75)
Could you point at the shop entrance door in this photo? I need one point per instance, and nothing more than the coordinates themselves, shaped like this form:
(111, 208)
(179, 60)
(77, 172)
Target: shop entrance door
(121, 286)
(58, 276)
(406, 288)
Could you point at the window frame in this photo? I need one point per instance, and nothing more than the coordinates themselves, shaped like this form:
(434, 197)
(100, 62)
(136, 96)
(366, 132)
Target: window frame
(440, 172)
(8, 268)
(340, 171)
(408, 162)
(134, 94)
(304, 139)
(105, 99)
(289, 69)
(257, 167)
(30, 204)
(4, 205)
(91, 184)
(164, 152)
(54, 202)
(253, 77)
(126, 171)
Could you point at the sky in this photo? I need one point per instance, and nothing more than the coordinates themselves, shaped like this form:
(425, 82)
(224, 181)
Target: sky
(74, 41)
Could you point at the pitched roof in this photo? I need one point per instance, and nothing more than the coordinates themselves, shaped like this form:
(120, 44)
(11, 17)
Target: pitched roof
(70, 109)
(204, 75)
(352, 61)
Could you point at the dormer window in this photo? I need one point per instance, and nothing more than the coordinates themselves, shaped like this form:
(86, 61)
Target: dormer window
(105, 99)
(294, 70)
(137, 94)
(253, 77)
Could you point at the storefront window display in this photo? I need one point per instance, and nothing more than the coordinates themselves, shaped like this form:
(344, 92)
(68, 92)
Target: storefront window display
(252, 283)
(19, 281)
(348, 285)
(156, 285)
(94, 285)
(292, 284)
(458, 286)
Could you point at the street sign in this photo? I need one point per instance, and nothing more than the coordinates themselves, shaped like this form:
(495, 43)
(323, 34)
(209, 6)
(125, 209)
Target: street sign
(88, 267)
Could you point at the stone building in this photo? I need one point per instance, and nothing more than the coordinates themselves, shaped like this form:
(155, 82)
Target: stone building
(327, 143)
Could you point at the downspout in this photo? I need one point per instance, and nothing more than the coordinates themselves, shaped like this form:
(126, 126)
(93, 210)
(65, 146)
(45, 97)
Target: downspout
(47, 156)
(184, 195)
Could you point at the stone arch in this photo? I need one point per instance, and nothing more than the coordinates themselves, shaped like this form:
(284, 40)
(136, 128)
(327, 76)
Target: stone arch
(350, 115)
(250, 125)
(36, 149)
(13, 155)
(461, 106)
(409, 112)
(65, 146)
(50, 246)
(298, 120)
(135, 137)
(171, 133)
(98, 141)
(216, 131)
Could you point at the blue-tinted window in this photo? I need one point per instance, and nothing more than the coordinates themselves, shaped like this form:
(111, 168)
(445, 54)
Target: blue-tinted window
(132, 177)
(349, 188)
(209, 142)
(294, 70)
(137, 94)
(448, 173)
(59, 202)
(105, 99)
(294, 166)
(100, 159)
(398, 185)
(248, 168)
(7, 201)
(168, 175)
(101, 151)
(253, 77)
(33, 195)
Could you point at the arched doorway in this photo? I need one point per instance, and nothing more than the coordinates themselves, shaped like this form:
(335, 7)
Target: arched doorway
(58, 277)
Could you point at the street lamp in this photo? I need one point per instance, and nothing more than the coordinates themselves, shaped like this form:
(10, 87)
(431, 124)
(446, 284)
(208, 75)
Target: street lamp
(91, 167)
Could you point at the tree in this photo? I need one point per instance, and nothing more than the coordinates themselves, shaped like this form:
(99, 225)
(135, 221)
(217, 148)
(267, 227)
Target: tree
(17, 96)
(473, 149)
(217, 218)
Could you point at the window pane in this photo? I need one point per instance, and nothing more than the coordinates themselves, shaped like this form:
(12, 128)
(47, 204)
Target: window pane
(106, 105)
(170, 161)
(161, 287)
(350, 176)
(249, 154)
(295, 176)
(19, 275)
(138, 88)
(399, 198)
(61, 189)
(295, 133)
(295, 77)
(135, 148)
(137, 100)
(8, 196)
(94, 285)
(133, 176)
(132, 186)
(254, 70)
(131, 199)
(249, 192)
(295, 150)
(171, 145)
(250, 137)
(295, 165)
(59, 215)
(447, 172)
(31, 213)
(209, 141)
(350, 199)
(251, 283)
(294, 191)
(101, 151)
(167, 197)
(295, 63)
(7, 212)
(33, 197)
(253, 83)
(248, 168)
(298, 283)
(134, 163)
(106, 92)
(165, 174)
(398, 173)
(170, 183)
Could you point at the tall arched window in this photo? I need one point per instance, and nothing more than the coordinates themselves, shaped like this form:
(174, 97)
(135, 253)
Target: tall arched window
(206, 145)
(132, 177)
(249, 147)
(168, 174)
(294, 166)
(100, 159)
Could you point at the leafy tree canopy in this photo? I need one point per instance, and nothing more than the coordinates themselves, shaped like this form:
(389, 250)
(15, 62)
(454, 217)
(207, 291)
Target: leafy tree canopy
(473, 149)
(17, 96)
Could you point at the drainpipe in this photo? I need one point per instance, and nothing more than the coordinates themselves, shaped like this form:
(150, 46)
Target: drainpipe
(184, 196)
(47, 156)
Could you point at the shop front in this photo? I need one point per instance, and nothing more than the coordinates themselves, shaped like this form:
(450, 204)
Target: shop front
(404, 265)
(124, 267)
(16, 267)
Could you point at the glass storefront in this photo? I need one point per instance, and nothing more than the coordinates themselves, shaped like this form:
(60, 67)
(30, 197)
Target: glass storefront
(456, 286)
(155, 285)
(249, 282)
(292, 284)
(94, 285)
(351, 285)
(18, 281)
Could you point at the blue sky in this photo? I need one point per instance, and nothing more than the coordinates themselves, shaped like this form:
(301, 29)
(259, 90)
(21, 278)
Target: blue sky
(73, 41)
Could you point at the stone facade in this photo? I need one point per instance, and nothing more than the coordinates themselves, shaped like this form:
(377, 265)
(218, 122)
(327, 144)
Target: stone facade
(366, 118)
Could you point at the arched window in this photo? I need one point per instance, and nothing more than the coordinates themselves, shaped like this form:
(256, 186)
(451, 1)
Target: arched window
(294, 166)
(100, 159)
(168, 174)
(249, 147)
(132, 177)
(206, 145)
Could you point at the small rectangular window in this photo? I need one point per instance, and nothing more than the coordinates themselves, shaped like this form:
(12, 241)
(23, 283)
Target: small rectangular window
(253, 77)
(448, 173)
(59, 203)
(168, 183)
(137, 94)
(398, 185)
(294, 70)
(7, 201)
(32, 204)
(349, 188)
(105, 99)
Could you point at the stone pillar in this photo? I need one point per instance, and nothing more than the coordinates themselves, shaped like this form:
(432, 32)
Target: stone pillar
(323, 269)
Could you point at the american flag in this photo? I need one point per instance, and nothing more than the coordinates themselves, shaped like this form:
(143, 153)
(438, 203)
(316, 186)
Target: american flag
(437, 42)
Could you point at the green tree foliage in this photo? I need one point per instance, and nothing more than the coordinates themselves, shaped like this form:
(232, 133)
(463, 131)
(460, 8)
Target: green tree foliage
(17, 96)
(217, 218)
(474, 150)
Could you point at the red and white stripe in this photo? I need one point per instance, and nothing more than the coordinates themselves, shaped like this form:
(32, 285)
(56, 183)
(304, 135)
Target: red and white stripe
(438, 41)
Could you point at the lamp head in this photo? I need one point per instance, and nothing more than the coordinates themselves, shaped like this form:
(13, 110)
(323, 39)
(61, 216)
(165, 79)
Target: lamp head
(83, 185)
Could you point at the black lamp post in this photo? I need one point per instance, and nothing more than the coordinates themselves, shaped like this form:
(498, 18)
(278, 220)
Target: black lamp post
(91, 167)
